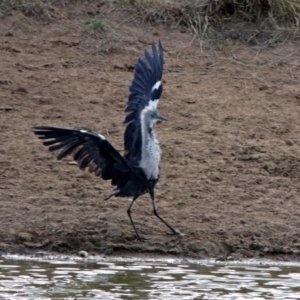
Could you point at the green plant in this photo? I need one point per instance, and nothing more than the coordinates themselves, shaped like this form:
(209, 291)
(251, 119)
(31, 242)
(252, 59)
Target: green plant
(95, 24)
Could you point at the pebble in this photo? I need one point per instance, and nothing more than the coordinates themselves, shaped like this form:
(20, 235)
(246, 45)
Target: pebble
(83, 254)
(25, 236)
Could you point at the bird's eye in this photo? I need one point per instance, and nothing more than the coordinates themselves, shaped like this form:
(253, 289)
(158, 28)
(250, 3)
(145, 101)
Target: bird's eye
(152, 116)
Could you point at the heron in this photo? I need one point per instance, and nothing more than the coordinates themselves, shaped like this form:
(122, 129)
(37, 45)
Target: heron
(137, 171)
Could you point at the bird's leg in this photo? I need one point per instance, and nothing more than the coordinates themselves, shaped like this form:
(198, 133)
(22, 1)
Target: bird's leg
(137, 236)
(157, 215)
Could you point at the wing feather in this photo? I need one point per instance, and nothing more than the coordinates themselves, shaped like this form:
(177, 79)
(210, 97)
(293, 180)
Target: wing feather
(145, 90)
(66, 150)
(89, 149)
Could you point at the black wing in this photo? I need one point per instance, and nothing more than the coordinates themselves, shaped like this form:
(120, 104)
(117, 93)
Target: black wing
(145, 90)
(89, 149)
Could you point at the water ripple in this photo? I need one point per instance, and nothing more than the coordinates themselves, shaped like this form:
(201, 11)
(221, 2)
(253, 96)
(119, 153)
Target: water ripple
(21, 279)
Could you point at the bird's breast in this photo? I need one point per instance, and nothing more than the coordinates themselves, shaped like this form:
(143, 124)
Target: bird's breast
(150, 159)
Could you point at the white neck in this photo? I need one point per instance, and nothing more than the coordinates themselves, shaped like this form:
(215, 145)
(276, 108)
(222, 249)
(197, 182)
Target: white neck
(150, 157)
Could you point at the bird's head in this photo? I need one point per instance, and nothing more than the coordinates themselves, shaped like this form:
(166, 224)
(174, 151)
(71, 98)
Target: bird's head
(150, 116)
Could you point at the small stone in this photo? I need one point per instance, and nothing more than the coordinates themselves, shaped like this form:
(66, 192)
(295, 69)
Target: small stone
(189, 101)
(256, 246)
(22, 90)
(195, 246)
(263, 87)
(83, 254)
(25, 236)
(33, 245)
(220, 231)
(266, 250)
(8, 33)
(94, 102)
(114, 233)
(287, 250)
(214, 176)
(119, 66)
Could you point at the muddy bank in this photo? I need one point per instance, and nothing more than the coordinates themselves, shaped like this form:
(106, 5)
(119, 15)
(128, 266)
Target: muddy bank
(230, 162)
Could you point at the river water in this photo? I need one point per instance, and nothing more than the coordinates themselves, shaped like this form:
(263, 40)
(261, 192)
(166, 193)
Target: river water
(63, 277)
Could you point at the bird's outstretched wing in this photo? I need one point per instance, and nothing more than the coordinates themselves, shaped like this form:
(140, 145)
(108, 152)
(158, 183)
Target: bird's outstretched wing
(89, 149)
(145, 90)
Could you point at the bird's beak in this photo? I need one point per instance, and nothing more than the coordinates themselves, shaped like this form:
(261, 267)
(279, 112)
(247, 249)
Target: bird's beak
(161, 118)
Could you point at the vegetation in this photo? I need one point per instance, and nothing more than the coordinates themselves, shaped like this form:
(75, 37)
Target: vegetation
(96, 23)
(257, 21)
(42, 9)
(202, 13)
(191, 13)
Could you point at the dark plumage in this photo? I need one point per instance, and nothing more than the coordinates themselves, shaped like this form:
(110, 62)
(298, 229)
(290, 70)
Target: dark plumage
(136, 172)
(147, 74)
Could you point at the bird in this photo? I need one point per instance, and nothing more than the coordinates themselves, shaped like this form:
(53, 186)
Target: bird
(137, 170)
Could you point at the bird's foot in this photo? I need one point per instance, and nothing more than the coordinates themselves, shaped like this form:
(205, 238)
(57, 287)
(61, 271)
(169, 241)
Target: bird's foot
(140, 238)
(173, 232)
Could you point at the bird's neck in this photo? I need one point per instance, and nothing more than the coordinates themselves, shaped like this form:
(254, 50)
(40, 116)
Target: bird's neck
(148, 136)
(150, 157)
(151, 132)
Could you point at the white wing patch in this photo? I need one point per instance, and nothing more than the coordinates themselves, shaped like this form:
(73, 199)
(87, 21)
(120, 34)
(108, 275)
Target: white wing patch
(156, 86)
(154, 102)
(100, 136)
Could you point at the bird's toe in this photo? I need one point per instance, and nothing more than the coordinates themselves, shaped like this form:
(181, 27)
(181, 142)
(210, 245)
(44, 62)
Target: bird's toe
(173, 232)
(140, 238)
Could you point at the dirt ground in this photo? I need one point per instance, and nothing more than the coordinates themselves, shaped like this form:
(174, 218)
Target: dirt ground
(230, 178)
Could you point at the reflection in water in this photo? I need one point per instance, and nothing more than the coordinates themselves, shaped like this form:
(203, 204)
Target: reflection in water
(53, 279)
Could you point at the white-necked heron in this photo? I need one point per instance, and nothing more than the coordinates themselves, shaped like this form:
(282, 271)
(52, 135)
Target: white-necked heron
(137, 172)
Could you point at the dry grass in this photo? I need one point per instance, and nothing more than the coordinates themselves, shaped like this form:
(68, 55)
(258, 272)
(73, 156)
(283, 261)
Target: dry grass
(209, 18)
(195, 14)
(258, 22)
(204, 12)
(100, 38)
(40, 9)
(99, 35)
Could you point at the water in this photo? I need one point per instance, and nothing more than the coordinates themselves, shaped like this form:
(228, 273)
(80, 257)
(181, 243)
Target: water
(74, 278)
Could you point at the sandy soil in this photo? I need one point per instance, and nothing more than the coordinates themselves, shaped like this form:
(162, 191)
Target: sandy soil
(231, 157)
